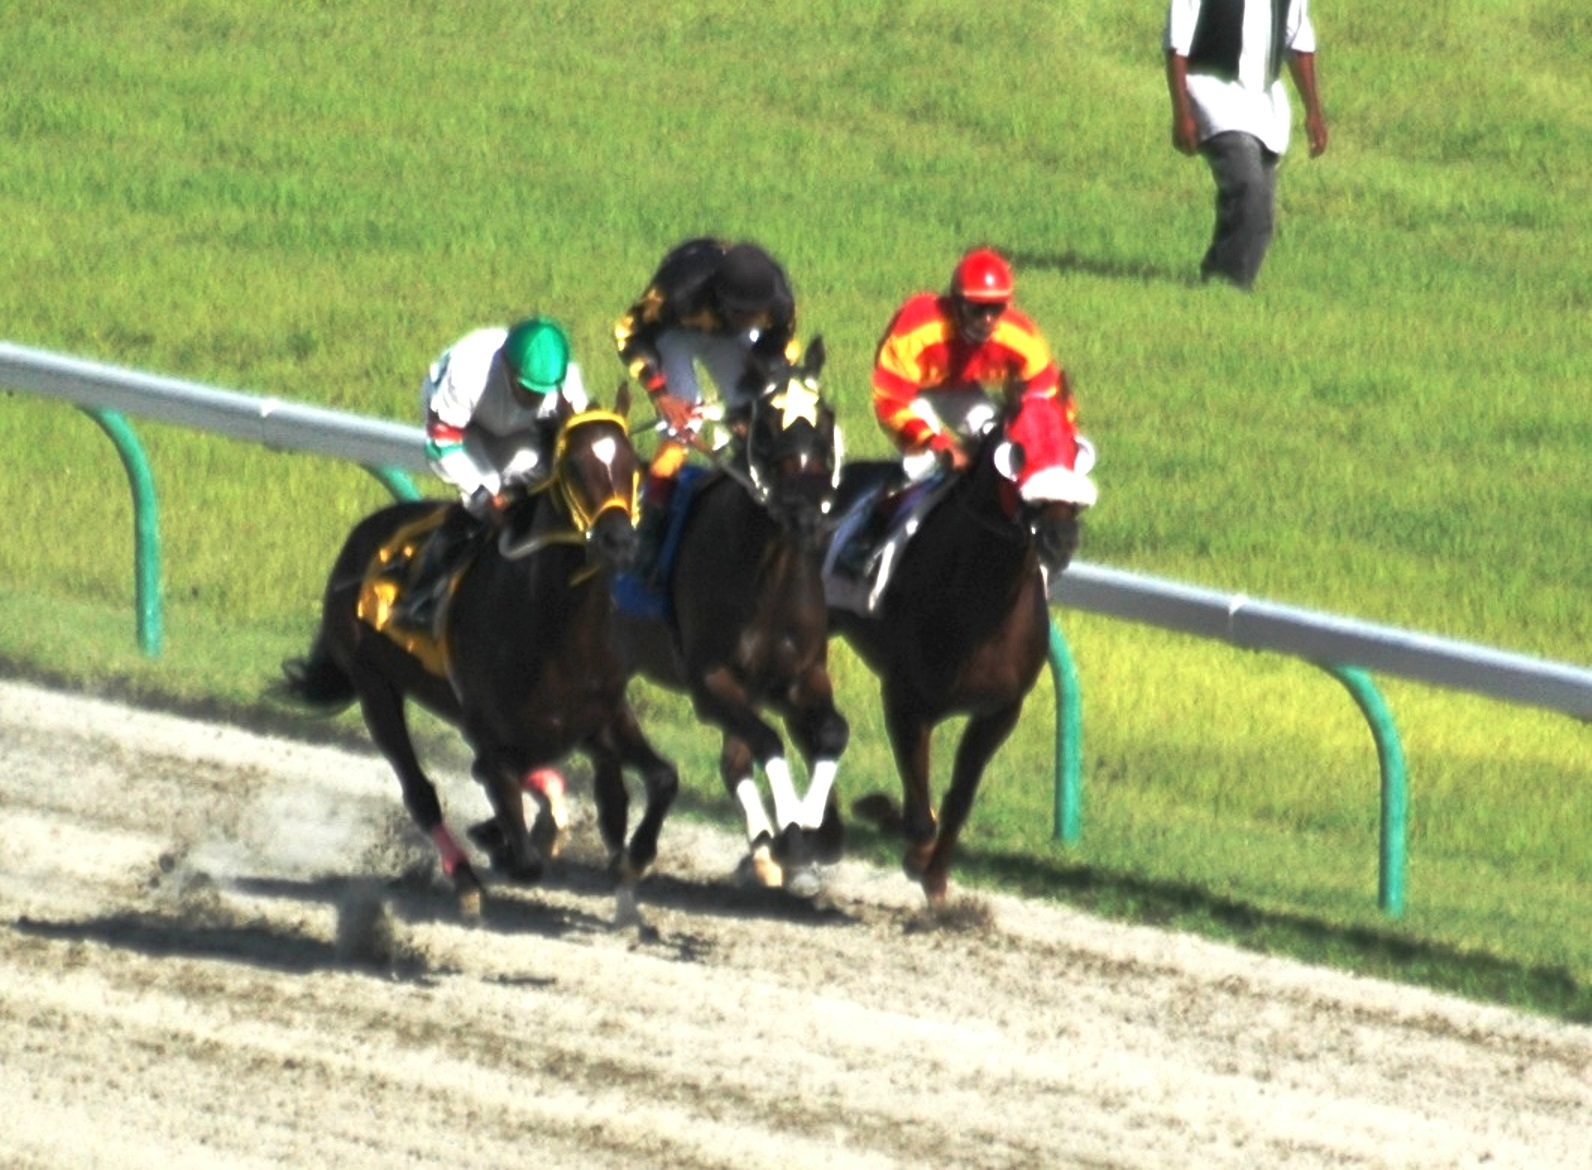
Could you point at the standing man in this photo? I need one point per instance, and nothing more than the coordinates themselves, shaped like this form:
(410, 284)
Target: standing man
(1223, 69)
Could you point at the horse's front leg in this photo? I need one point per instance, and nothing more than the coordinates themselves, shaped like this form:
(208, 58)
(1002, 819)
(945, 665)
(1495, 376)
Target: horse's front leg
(736, 772)
(722, 700)
(911, 735)
(981, 739)
(821, 734)
(623, 744)
(513, 854)
(383, 709)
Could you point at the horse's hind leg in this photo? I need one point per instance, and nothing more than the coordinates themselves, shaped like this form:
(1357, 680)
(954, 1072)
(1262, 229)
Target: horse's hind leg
(911, 737)
(382, 706)
(981, 739)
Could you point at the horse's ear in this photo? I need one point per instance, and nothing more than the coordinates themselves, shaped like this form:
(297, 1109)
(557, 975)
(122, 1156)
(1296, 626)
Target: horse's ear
(813, 360)
(759, 373)
(622, 399)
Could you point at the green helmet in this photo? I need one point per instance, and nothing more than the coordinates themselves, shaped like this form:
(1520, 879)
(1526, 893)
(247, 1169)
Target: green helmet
(536, 353)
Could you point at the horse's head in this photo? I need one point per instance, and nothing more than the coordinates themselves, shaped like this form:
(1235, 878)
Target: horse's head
(792, 444)
(596, 481)
(1043, 466)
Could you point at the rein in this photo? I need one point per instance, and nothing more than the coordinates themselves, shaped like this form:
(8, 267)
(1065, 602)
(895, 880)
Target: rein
(700, 445)
(583, 517)
(1010, 527)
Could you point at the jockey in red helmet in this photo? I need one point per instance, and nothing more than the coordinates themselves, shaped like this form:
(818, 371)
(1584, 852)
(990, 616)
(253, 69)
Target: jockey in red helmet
(945, 354)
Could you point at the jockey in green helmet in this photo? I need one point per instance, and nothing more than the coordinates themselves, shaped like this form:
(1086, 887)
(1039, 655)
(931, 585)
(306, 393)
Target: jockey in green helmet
(493, 403)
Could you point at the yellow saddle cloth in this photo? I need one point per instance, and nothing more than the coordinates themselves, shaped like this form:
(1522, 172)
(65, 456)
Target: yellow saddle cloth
(386, 578)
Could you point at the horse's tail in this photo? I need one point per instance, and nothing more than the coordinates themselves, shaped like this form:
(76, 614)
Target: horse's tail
(316, 680)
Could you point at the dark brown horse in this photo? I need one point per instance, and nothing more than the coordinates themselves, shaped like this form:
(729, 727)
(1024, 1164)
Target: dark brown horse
(962, 624)
(526, 641)
(745, 627)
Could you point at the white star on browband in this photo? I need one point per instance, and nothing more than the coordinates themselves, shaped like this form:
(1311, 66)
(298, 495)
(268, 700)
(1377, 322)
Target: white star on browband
(796, 401)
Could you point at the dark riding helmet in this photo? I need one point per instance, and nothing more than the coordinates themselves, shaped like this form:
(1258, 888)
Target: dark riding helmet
(983, 277)
(536, 351)
(747, 279)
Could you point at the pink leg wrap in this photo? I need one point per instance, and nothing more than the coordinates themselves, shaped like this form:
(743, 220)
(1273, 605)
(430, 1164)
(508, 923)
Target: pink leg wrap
(548, 781)
(452, 856)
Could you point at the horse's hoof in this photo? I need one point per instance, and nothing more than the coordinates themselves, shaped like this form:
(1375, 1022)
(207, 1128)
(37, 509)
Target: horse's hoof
(828, 840)
(759, 867)
(524, 870)
(626, 912)
(806, 883)
(793, 847)
(467, 889)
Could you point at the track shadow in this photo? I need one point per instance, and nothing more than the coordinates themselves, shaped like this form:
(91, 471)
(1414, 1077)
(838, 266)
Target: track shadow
(1388, 954)
(718, 897)
(269, 948)
(416, 899)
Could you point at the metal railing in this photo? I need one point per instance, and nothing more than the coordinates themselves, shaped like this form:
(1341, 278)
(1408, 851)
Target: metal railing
(1344, 647)
(386, 449)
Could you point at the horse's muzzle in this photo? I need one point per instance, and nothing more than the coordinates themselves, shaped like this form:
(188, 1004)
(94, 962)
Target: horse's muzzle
(1056, 541)
(613, 542)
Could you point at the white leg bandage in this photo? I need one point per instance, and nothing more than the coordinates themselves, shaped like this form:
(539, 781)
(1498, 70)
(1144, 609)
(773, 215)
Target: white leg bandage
(818, 793)
(787, 809)
(752, 808)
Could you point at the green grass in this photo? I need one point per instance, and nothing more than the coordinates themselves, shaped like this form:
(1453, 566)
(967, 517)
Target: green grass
(311, 200)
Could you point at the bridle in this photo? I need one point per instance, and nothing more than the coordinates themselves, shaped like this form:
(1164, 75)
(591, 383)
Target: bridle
(583, 513)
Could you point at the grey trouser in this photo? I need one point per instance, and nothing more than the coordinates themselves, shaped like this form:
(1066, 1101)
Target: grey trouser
(1246, 194)
(724, 356)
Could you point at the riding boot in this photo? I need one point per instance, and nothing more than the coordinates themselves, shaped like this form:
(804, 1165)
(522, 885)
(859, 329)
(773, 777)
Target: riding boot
(855, 557)
(654, 526)
(417, 608)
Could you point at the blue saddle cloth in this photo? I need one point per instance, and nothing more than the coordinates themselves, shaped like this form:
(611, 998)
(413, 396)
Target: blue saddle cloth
(636, 598)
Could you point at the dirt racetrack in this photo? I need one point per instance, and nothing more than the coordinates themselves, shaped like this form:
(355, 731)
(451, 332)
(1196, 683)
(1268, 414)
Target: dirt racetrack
(224, 950)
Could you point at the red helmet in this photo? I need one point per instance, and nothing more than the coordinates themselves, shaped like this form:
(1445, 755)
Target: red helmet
(983, 276)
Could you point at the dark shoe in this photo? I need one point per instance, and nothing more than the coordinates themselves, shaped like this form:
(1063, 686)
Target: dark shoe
(649, 545)
(428, 581)
(857, 555)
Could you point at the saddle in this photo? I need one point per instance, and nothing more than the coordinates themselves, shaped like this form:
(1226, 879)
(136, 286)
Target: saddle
(388, 574)
(649, 601)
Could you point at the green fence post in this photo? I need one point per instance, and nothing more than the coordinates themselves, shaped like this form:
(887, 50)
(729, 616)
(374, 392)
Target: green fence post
(1395, 785)
(395, 481)
(146, 526)
(1069, 741)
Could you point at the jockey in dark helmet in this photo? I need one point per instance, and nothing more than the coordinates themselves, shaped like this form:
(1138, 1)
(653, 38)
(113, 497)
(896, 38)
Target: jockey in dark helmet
(493, 405)
(713, 303)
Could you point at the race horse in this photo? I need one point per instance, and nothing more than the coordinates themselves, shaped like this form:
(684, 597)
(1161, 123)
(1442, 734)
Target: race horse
(523, 660)
(743, 627)
(961, 624)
